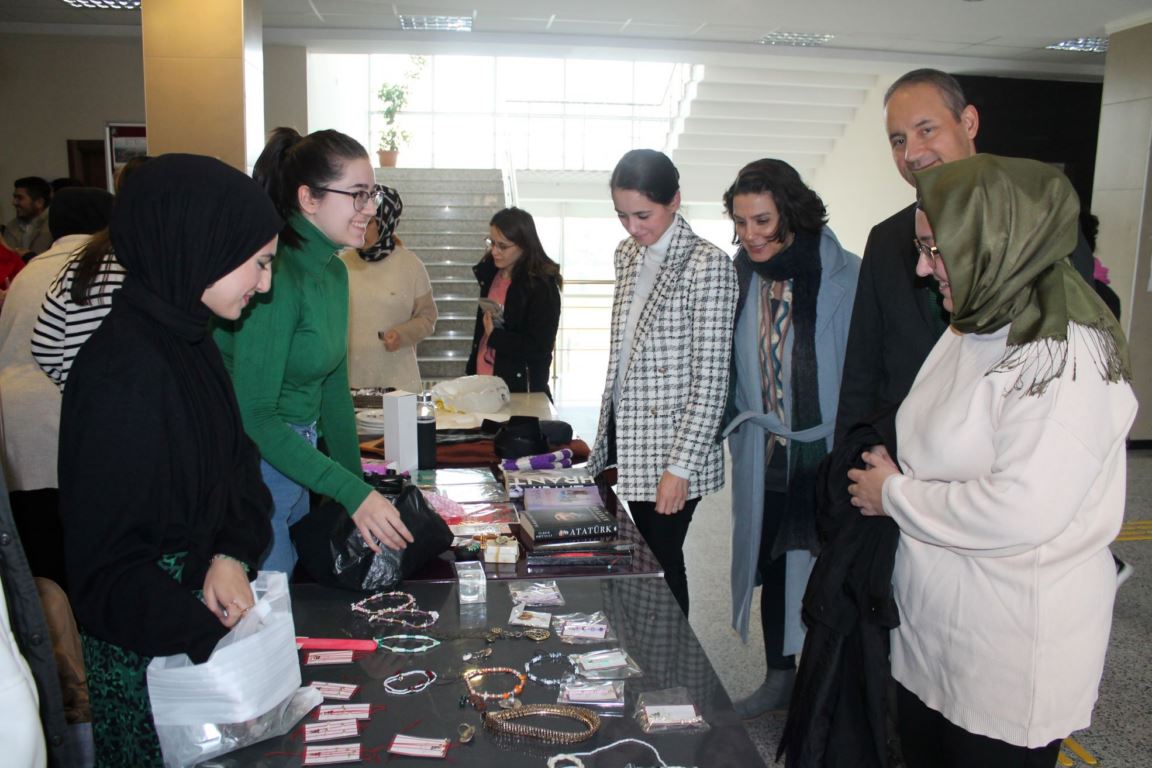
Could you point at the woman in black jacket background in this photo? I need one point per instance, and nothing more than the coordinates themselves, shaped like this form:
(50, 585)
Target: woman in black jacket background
(515, 272)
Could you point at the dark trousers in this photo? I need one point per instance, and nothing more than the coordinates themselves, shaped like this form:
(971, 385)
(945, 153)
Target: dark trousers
(665, 535)
(773, 575)
(37, 517)
(928, 740)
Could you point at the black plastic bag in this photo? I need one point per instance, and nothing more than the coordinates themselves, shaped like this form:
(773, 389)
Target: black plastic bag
(334, 553)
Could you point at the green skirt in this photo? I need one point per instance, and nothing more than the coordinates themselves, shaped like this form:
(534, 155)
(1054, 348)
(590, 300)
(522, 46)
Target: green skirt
(122, 725)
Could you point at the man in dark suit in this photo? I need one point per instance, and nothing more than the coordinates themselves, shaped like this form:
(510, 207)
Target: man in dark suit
(898, 317)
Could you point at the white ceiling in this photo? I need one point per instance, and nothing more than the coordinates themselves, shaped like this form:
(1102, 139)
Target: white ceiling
(1006, 35)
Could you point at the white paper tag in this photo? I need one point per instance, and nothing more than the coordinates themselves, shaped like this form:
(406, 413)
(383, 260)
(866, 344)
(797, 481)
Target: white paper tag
(328, 657)
(671, 713)
(344, 711)
(335, 729)
(332, 753)
(335, 691)
(584, 630)
(415, 746)
(602, 692)
(606, 660)
(522, 617)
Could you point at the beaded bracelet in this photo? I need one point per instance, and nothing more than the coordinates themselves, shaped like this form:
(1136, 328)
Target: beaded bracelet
(238, 561)
(396, 617)
(361, 606)
(469, 674)
(429, 675)
(430, 643)
(552, 656)
(500, 722)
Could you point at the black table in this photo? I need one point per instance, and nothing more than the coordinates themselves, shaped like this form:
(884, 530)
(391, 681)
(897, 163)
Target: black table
(648, 624)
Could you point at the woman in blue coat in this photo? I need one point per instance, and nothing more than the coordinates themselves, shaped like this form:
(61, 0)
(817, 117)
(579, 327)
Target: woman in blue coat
(791, 330)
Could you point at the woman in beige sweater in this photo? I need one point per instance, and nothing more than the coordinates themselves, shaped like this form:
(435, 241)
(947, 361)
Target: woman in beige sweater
(390, 305)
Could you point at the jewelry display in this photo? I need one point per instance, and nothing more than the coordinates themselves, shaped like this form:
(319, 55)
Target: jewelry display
(397, 617)
(535, 633)
(466, 732)
(362, 606)
(469, 675)
(553, 656)
(430, 643)
(483, 653)
(572, 760)
(502, 722)
(390, 683)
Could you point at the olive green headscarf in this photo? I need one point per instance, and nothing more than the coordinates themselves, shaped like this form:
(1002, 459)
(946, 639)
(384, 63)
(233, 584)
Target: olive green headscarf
(1005, 228)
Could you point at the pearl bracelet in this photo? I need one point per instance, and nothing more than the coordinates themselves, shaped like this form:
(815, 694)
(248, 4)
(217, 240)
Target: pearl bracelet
(238, 561)
(361, 606)
(549, 681)
(429, 675)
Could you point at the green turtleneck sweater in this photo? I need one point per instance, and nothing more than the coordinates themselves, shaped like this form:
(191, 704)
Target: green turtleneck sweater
(288, 356)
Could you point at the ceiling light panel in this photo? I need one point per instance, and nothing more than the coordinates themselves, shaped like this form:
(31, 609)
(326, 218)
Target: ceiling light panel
(106, 5)
(1081, 45)
(800, 39)
(415, 22)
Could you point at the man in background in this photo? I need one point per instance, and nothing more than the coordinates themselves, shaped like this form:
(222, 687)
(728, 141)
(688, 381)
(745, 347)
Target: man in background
(28, 232)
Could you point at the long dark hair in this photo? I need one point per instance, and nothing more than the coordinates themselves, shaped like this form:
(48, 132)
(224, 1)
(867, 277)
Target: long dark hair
(519, 227)
(648, 172)
(92, 254)
(290, 161)
(801, 209)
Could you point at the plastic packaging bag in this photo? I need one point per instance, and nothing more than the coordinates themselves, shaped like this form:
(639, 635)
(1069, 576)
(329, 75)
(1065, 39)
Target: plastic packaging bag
(473, 394)
(583, 628)
(669, 710)
(605, 696)
(535, 593)
(609, 664)
(248, 690)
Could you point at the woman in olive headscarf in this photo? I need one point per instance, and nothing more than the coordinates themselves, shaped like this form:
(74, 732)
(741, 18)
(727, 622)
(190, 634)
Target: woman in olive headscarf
(1010, 483)
(165, 513)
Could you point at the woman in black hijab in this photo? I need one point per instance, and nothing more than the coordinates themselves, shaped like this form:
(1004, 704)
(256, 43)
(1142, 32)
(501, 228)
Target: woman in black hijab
(160, 489)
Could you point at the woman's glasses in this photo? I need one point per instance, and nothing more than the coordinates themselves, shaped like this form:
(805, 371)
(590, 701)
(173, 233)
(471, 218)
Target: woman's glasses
(493, 245)
(925, 250)
(361, 197)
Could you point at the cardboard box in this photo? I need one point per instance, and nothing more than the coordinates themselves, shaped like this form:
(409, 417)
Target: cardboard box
(400, 429)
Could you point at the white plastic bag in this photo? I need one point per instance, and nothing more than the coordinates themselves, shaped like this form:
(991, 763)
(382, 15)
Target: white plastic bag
(248, 690)
(473, 394)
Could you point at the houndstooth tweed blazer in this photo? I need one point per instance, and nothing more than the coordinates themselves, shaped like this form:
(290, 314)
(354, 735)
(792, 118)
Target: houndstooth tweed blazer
(676, 381)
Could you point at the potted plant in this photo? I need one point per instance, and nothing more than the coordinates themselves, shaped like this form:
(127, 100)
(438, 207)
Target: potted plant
(392, 97)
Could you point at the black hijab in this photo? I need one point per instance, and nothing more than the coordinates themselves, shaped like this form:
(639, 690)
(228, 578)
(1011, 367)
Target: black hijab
(182, 222)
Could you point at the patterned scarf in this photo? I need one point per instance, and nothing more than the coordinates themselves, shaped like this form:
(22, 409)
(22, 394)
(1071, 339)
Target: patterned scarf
(798, 264)
(387, 215)
(1005, 228)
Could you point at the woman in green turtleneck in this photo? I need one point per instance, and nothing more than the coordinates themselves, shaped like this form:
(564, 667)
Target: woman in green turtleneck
(288, 353)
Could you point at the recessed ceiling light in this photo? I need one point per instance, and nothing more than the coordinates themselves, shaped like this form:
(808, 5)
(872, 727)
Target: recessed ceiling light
(107, 5)
(436, 23)
(1081, 44)
(804, 39)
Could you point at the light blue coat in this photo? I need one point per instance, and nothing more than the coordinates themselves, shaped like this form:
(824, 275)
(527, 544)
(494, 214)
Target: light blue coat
(746, 432)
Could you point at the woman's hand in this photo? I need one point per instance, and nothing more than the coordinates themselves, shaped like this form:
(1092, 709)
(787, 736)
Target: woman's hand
(391, 340)
(867, 485)
(488, 324)
(227, 592)
(379, 521)
(671, 493)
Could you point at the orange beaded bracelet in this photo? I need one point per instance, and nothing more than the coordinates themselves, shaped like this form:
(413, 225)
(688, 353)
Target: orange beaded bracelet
(470, 674)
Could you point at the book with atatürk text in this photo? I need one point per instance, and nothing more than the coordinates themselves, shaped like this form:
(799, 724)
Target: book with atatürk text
(572, 522)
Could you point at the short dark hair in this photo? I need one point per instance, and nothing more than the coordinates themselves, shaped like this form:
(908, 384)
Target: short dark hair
(943, 82)
(801, 209)
(290, 161)
(648, 172)
(36, 187)
(517, 225)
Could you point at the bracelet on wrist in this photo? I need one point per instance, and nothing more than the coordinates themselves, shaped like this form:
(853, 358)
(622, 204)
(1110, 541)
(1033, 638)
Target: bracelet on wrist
(238, 561)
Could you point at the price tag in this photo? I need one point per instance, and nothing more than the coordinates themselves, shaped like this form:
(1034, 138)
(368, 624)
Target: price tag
(414, 746)
(336, 691)
(344, 712)
(328, 657)
(585, 630)
(672, 714)
(605, 660)
(601, 692)
(329, 754)
(335, 729)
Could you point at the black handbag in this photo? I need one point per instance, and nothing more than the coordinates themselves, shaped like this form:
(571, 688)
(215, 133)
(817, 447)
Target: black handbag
(334, 553)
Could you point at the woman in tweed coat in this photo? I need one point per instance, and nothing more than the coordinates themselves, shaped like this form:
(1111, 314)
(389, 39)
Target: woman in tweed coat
(668, 361)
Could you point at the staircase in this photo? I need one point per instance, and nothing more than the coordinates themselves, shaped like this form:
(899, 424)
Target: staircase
(445, 221)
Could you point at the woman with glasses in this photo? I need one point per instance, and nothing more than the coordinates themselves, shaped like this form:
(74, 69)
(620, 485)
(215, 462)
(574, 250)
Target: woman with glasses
(391, 308)
(797, 286)
(667, 364)
(516, 327)
(288, 353)
(1009, 485)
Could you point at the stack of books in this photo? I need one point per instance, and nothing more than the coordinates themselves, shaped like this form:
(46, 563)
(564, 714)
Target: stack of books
(516, 481)
(570, 527)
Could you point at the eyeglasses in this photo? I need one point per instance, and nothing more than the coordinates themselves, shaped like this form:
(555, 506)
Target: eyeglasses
(361, 197)
(925, 250)
(495, 246)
